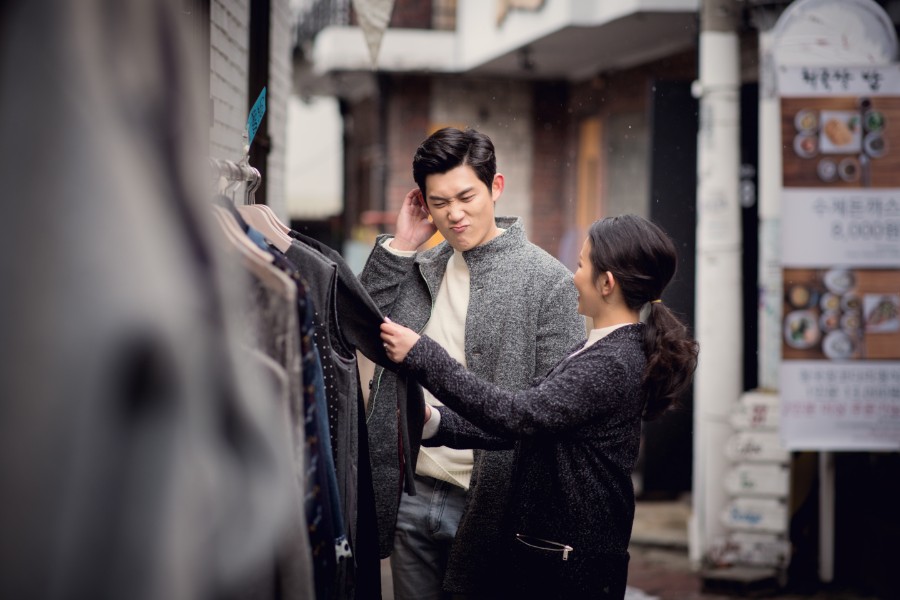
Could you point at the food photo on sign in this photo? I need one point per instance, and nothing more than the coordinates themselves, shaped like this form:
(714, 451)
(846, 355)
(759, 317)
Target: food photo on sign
(841, 141)
(841, 314)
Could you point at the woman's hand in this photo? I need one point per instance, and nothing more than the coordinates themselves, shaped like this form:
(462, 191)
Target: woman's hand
(398, 340)
(413, 227)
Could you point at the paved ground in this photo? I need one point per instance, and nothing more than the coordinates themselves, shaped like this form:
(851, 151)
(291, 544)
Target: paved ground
(659, 567)
(666, 574)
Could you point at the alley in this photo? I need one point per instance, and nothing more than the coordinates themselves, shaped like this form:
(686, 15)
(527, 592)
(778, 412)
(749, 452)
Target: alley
(661, 570)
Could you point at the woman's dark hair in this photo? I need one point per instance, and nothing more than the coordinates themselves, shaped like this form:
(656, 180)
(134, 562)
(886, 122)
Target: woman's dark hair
(642, 259)
(449, 148)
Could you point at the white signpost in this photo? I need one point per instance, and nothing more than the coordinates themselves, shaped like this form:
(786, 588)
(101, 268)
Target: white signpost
(756, 446)
(757, 484)
(829, 75)
(758, 480)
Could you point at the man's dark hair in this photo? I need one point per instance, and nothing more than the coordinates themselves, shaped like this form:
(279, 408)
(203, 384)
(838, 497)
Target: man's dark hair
(449, 148)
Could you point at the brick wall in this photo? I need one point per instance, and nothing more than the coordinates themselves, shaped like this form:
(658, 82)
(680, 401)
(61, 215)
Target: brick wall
(627, 90)
(502, 109)
(408, 121)
(552, 178)
(361, 151)
(229, 39)
(406, 14)
(279, 89)
(412, 14)
(443, 15)
(229, 53)
(621, 101)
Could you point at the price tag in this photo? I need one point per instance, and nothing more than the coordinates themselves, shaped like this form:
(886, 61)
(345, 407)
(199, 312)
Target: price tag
(256, 115)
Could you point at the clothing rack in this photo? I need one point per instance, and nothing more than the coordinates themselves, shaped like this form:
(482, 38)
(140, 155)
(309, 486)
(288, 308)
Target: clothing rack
(236, 173)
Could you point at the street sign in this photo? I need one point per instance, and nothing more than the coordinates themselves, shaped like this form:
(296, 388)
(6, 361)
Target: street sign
(756, 446)
(749, 479)
(751, 548)
(756, 410)
(756, 514)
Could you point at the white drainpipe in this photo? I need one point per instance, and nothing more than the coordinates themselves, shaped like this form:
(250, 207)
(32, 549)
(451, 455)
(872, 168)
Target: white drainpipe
(769, 198)
(718, 382)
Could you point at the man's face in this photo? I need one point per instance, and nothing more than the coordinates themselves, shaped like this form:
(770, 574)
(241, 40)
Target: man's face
(462, 206)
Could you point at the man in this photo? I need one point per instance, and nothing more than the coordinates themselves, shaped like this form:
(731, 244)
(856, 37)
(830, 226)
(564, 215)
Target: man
(497, 303)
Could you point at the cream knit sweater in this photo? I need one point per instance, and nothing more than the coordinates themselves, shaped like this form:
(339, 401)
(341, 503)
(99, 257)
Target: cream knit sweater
(447, 327)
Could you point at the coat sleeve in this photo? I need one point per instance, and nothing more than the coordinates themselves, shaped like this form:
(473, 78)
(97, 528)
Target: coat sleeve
(589, 387)
(383, 274)
(456, 432)
(559, 327)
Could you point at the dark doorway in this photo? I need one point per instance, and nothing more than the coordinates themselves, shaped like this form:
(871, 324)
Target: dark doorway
(668, 445)
(258, 78)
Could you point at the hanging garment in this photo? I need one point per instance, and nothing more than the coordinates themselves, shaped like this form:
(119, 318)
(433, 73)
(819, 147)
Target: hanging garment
(337, 365)
(356, 325)
(272, 326)
(360, 321)
(140, 452)
(327, 534)
(325, 524)
(340, 379)
(347, 320)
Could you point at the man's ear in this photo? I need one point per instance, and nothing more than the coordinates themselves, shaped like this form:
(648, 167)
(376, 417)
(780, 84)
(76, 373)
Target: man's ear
(423, 203)
(497, 186)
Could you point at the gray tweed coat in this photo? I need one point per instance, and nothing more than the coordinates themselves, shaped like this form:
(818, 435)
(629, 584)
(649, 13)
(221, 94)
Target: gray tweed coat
(522, 319)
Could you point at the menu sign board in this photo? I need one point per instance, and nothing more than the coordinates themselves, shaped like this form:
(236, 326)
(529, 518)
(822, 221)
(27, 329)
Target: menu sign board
(840, 369)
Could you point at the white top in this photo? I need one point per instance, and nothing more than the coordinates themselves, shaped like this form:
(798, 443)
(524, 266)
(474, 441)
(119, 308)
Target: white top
(598, 334)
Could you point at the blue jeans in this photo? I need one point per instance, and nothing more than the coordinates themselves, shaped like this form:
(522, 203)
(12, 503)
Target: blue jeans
(426, 526)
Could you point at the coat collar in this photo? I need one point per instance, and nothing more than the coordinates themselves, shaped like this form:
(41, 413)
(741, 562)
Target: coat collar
(513, 238)
(432, 263)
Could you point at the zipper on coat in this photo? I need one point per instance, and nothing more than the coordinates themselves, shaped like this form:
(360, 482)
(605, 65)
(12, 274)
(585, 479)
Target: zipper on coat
(554, 546)
(430, 295)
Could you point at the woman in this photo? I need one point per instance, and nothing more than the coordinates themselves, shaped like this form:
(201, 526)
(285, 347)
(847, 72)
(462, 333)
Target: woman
(577, 430)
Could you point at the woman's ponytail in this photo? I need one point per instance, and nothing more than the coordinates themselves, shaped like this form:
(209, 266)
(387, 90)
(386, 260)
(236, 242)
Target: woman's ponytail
(671, 360)
(643, 258)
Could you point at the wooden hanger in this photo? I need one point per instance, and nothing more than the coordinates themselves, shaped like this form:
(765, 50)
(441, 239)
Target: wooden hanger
(273, 217)
(238, 238)
(258, 220)
(263, 219)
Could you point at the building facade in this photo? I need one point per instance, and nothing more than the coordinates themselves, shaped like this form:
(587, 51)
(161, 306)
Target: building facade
(592, 111)
(247, 47)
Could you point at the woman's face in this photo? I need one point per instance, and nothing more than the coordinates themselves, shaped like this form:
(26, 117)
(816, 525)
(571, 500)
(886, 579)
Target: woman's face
(589, 300)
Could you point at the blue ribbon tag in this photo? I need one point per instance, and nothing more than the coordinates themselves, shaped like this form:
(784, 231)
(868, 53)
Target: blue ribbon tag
(256, 115)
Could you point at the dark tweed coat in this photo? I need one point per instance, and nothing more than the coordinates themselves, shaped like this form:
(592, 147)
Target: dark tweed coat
(577, 434)
(522, 318)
